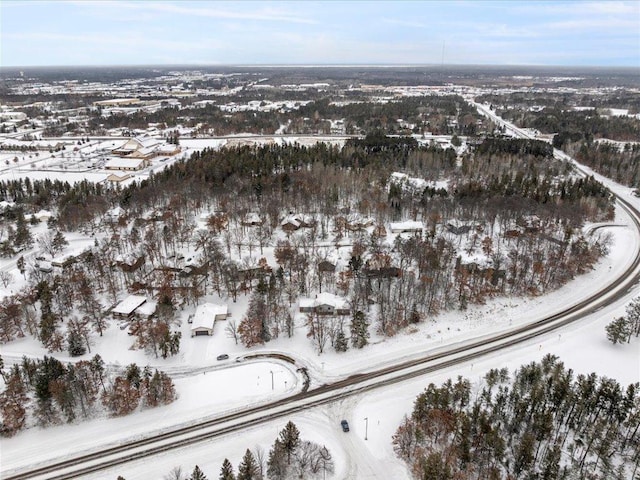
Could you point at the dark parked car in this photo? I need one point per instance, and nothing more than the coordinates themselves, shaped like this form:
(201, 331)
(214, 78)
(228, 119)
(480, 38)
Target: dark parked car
(345, 425)
(224, 356)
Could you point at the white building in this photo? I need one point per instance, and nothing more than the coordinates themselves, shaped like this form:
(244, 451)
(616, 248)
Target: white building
(206, 316)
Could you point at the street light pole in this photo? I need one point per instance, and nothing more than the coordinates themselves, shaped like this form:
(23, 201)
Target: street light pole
(271, 372)
(366, 427)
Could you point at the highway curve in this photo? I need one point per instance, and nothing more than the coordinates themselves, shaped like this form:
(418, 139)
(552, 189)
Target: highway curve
(95, 461)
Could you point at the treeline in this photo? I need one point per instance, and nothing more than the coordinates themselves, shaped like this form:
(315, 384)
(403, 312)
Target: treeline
(76, 205)
(624, 99)
(440, 115)
(588, 123)
(544, 423)
(620, 163)
(51, 392)
(515, 146)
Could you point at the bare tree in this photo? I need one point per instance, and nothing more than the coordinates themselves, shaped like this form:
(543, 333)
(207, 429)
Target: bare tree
(176, 474)
(5, 278)
(232, 331)
(319, 331)
(261, 459)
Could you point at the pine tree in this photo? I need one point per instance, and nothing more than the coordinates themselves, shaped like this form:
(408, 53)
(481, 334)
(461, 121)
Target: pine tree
(290, 439)
(618, 331)
(341, 344)
(226, 472)
(22, 236)
(276, 464)
(633, 317)
(248, 468)
(359, 330)
(59, 242)
(13, 401)
(75, 343)
(197, 474)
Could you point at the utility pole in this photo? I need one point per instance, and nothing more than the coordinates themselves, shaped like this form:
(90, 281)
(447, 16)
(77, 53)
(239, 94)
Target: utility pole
(366, 427)
(271, 372)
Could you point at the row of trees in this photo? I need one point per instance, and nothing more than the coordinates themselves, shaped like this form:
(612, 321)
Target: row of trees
(544, 423)
(289, 457)
(51, 392)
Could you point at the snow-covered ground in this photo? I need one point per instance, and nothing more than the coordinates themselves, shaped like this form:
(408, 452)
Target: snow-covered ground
(207, 387)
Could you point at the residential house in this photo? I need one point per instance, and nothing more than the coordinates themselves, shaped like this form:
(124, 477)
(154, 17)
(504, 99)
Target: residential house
(126, 308)
(407, 227)
(325, 304)
(205, 317)
(294, 222)
(131, 262)
(251, 219)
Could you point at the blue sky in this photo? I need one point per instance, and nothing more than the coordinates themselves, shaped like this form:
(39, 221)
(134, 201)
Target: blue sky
(605, 33)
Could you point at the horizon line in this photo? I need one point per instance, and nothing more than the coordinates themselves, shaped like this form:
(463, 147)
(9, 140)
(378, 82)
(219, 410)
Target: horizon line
(320, 65)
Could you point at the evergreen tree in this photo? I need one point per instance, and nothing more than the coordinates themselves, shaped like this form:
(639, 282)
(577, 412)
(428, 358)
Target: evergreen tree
(341, 344)
(359, 330)
(277, 461)
(22, 235)
(618, 331)
(290, 439)
(226, 472)
(248, 468)
(633, 317)
(197, 474)
(21, 265)
(75, 343)
(13, 401)
(59, 242)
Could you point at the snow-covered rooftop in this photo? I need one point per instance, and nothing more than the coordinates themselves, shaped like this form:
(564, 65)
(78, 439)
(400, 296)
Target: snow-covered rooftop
(206, 314)
(129, 304)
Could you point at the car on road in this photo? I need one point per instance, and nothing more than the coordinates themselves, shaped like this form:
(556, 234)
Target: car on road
(224, 356)
(345, 425)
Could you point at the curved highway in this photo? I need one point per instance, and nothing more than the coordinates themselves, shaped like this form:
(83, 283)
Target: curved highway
(84, 464)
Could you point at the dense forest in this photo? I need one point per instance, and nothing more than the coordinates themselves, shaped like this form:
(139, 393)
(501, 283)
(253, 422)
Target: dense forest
(607, 143)
(47, 392)
(544, 423)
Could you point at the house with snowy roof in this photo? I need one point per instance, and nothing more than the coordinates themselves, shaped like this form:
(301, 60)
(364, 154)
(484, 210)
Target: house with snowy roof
(325, 304)
(126, 308)
(206, 316)
(293, 222)
(406, 227)
(251, 219)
